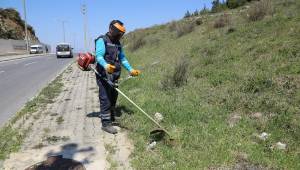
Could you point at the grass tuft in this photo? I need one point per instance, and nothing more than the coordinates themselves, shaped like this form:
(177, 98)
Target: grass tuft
(178, 77)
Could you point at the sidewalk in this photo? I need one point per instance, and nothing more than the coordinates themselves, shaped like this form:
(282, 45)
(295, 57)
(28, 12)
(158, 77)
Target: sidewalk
(69, 127)
(20, 56)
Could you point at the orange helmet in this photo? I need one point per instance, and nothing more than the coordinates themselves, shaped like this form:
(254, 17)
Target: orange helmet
(117, 25)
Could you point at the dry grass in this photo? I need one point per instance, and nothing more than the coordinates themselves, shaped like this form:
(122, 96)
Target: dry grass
(259, 10)
(222, 21)
(136, 41)
(179, 76)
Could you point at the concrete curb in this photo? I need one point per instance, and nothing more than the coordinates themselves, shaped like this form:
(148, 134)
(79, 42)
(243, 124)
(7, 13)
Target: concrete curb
(22, 57)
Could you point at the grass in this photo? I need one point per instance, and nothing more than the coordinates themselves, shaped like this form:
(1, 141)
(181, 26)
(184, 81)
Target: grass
(46, 130)
(253, 69)
(11, 137)
(111, 151)
(60, 120)
(39, 146)
(55, 139)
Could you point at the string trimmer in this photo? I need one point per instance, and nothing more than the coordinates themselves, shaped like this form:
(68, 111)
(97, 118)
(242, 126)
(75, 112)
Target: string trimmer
(156, 132)
(85, 62)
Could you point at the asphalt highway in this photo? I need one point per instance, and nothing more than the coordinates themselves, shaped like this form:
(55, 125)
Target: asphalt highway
(22, 79)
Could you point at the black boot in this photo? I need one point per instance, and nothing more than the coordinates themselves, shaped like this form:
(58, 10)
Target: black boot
(107, 127)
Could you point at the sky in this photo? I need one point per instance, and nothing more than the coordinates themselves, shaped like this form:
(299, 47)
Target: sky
(46, 16)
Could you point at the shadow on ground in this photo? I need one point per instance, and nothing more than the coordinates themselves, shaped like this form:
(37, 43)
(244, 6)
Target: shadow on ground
(63, 159)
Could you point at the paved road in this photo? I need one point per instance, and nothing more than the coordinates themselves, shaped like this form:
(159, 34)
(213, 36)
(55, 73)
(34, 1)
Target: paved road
(21, 79)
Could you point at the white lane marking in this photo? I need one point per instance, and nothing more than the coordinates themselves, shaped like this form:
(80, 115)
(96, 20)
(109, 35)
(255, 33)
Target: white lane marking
(2, 71)
(30, 63)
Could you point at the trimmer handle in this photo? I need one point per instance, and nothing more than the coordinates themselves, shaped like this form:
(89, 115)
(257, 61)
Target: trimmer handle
(103, 78)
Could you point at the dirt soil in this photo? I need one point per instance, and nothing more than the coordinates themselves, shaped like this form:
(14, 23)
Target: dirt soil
(70, 127)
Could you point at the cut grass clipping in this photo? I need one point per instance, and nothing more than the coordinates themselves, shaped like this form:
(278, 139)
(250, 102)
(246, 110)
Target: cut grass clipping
(12, 137)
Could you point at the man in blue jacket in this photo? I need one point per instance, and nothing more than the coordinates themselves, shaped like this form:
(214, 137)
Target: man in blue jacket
(110, 56)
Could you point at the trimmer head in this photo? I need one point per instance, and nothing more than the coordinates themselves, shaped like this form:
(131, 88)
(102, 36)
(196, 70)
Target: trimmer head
(159, 135)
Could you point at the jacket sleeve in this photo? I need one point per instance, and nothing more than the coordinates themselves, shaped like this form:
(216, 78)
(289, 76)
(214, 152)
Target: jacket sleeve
(124, 61)
(100, 52)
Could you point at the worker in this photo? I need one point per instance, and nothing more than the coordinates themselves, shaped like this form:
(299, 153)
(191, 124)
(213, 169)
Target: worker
(109, 57)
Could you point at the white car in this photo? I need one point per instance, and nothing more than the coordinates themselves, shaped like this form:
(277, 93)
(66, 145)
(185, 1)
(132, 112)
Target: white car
(36, 49)
(64, 50)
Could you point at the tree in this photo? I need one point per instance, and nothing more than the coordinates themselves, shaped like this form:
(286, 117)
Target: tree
(215, 5)
(235, 3)
(187, 14)
(196, 13)
(218, 6)
(204, 10)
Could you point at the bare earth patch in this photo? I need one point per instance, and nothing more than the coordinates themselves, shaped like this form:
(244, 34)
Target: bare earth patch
(70, 132)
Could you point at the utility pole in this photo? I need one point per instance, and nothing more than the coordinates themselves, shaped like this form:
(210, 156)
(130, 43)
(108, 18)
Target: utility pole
(84, 11)
(74, 40)
(63, 28)
(26, 35)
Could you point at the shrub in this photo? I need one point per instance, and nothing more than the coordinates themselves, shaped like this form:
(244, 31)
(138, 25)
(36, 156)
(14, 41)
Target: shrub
(259, 10)
(231, 30)
(235, 3)
(178, 77)
(153, 40)
(256, 83)
(136, 42)
(184, 28)
(222, 21)
(187, 14)
(198, 21)
(172, 26)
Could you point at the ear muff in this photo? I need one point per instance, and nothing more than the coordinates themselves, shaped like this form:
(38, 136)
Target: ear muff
(119, 27)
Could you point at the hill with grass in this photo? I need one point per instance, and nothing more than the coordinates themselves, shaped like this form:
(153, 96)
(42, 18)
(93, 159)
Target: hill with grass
(13, 27)
(227, 84)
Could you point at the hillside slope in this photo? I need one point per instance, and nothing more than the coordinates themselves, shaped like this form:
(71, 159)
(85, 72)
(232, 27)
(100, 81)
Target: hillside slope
(13, 27)
(220, 81)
